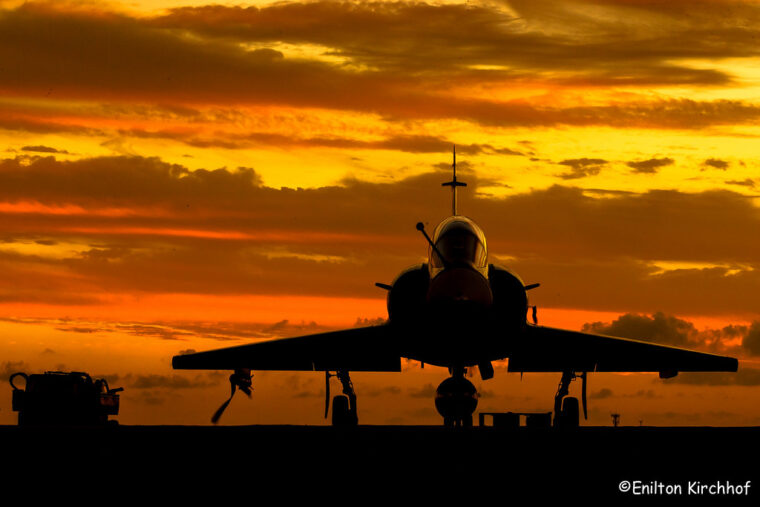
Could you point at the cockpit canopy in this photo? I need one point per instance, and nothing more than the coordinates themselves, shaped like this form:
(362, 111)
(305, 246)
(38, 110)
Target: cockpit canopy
(461, 243)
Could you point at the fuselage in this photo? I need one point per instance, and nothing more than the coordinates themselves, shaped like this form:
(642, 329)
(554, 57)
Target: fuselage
(449, 309)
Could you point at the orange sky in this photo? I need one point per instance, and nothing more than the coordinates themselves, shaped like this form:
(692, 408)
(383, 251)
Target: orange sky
(179, 175)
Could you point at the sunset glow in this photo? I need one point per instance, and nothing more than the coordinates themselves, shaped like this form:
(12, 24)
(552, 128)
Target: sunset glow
(184, 175)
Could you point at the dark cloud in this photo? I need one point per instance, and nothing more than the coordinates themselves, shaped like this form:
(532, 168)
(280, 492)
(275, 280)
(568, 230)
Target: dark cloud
(670, 330)
(22, 282)
(601, 394)
(659, 328)
(715, 163)
(431, 39)
(582, 167)
(44, 125)
(463, 167)
(296, 381)
(338, 240)
(8, 368)
(284, 326)
(80, 329)
(150, 398)
(174, 381)
(641, 393)
(125, 177)
(649, 166)
(113, 379)
(310, 394)
(179, 329)
(426, 391)
(743, 377)
(409, 144)
(747, 182)
(165, 333)
(634, 220)
(42, 149)
(363, 322)
(246, 330)
(751, 340)
(372, 391)
(195, 56)
(599, 284)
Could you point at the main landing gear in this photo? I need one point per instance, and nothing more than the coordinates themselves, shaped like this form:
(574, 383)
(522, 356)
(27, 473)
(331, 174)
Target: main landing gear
(240, 379)
(344, 406)
(566, 413)
(456, 399)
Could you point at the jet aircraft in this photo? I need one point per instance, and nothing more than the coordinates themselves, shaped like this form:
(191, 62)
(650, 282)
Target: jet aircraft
(456, 311)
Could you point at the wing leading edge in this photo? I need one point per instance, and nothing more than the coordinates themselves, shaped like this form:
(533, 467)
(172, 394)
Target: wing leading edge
(360, 349)
(545, 349)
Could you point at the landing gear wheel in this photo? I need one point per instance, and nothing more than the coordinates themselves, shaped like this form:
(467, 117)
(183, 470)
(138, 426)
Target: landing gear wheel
(566, 414)
(456, 399)
(570, 414)
(340, 411)
(344, 406)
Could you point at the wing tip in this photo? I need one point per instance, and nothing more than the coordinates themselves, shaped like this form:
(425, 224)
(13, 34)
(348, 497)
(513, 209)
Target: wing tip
(180, 362)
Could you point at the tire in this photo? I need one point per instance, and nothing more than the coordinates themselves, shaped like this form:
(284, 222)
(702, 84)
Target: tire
(570, 413)
(341, 414)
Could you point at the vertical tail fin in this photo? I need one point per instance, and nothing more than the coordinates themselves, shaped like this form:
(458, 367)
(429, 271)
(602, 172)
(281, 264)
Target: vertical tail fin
(454, 183)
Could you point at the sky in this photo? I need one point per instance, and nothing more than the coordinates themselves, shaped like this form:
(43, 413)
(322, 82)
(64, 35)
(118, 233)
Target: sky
(178, 175)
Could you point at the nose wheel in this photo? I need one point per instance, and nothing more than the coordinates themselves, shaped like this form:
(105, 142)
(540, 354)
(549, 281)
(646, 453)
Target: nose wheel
(456, 399)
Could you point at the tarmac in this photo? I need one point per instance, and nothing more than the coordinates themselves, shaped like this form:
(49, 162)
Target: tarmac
(387, 463)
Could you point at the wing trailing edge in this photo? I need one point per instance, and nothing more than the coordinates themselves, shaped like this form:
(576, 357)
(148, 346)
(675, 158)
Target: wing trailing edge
(545, 349)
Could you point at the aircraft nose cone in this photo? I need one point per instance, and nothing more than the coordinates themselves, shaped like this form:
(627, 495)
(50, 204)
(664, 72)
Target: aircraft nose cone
(460, 285)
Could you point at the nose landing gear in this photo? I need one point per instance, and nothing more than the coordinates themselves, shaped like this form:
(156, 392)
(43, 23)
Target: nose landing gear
(456, 399)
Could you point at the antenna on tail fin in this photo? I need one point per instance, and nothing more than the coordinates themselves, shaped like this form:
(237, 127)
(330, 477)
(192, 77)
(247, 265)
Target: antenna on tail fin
(454, 183)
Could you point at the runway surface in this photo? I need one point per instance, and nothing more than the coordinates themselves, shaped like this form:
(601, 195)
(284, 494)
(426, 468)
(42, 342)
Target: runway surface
(385, 462)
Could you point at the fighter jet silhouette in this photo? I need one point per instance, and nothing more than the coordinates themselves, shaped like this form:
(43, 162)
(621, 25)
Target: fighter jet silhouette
(456, 311)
